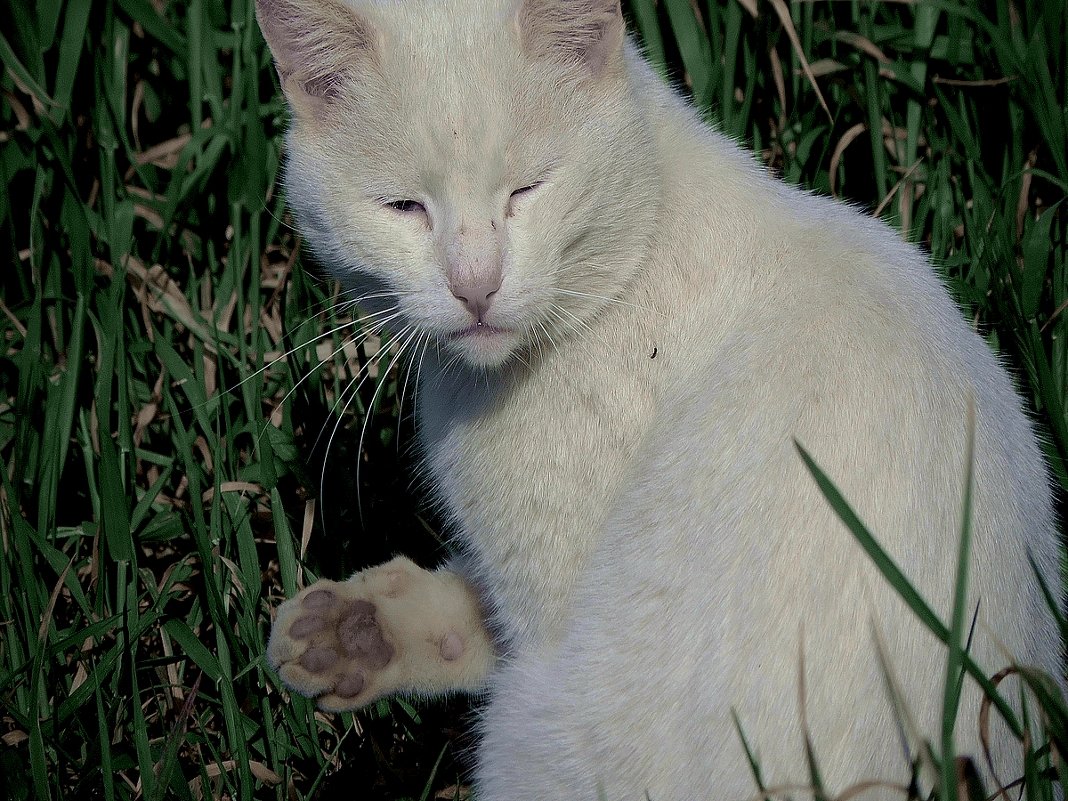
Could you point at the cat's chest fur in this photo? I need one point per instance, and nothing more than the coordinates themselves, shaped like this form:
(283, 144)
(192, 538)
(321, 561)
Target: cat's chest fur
(527, 505)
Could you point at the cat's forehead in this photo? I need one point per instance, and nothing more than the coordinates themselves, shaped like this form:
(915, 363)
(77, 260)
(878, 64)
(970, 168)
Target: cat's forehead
(443, 125)
(441, 30)
(457, 102)
(435, 16)
(451, 104)
(455, 63)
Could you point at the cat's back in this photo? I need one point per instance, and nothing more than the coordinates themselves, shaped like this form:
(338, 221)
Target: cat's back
(813, 290)
(811, 322)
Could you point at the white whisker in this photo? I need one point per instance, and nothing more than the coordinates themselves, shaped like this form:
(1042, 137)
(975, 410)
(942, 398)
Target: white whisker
(548, 336)
(370, 410)
(365, 371)
(352, 393)
(348, 324)
(345, 343)
(404, 387)
(580, 331)
(616, 301)
(419, 371)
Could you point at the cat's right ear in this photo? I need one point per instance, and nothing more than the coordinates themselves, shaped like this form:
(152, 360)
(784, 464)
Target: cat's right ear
(316, 45)
(588, 33)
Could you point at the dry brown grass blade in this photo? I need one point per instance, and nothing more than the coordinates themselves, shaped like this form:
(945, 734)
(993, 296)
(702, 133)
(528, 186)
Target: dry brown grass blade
(144, 211)
(12, 319)
(863, 44)
(13, 738)
(894, 189)
(150, 411)
(824, 66)
(844, 141)
(780, 84)
(988, 82)
(788, 25)
(167, 297)
(22, 116)
(969, 785)
(1023, 200)
(233, 486)
(455, 792)
(780, 791)
(750, 6)
(264, 773)
(984, 732)
(306, 529)
(1052, 318)
(165, 154)
(46, 615)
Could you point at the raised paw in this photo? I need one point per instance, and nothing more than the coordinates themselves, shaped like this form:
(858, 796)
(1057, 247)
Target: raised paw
(329, 645)
(392, 628)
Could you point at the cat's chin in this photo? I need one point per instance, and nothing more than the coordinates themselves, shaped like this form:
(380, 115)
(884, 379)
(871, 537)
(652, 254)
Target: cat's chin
(483, 346)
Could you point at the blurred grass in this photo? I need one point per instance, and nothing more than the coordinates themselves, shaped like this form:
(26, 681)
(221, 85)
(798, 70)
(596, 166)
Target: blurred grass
(158, 496)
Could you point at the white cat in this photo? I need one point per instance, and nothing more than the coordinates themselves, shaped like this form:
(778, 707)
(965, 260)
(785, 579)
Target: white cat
(628, 324)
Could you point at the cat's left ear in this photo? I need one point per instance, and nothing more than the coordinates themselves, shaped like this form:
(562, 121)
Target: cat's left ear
(587, 33)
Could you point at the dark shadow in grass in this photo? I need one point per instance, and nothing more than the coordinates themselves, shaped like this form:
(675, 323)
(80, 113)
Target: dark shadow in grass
(364, 518)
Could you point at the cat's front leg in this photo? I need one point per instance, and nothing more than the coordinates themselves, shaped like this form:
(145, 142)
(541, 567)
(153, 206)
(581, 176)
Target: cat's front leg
(395, 628)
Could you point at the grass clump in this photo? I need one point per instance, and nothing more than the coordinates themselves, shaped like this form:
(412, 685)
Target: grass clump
(155, 491)
(161, 483)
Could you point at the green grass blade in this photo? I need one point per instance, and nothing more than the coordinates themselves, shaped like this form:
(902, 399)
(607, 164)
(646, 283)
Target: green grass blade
(892, 573)
(955, 652)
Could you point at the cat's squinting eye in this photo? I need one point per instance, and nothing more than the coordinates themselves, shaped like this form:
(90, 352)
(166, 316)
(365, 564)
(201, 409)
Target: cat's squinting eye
(519, 194)
(525, 190)
(406, 206)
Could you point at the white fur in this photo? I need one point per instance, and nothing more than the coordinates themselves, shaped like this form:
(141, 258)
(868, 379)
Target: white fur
(650, 546)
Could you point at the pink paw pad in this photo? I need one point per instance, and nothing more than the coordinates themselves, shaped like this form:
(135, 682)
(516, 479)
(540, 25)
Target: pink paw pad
(452, 647)
(349, 686)
(316, 660)
(361, 637)
(396, 583)
(305, 626)
(319, 600)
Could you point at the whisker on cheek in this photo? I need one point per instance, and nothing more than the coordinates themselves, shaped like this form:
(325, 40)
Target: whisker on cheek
(370, 409)
(352, 390)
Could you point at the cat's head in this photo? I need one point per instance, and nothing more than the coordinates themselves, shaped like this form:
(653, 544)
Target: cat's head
(482, 169)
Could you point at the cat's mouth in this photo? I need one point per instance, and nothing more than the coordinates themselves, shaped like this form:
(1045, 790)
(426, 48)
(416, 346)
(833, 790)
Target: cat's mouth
(481, 330)
(482, 344)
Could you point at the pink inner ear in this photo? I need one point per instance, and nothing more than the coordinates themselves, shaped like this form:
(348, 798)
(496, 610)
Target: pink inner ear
(324, 86)
(313, 42)
(586, 32)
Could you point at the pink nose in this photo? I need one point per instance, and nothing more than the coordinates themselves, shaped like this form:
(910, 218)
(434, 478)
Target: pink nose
(476, 295)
